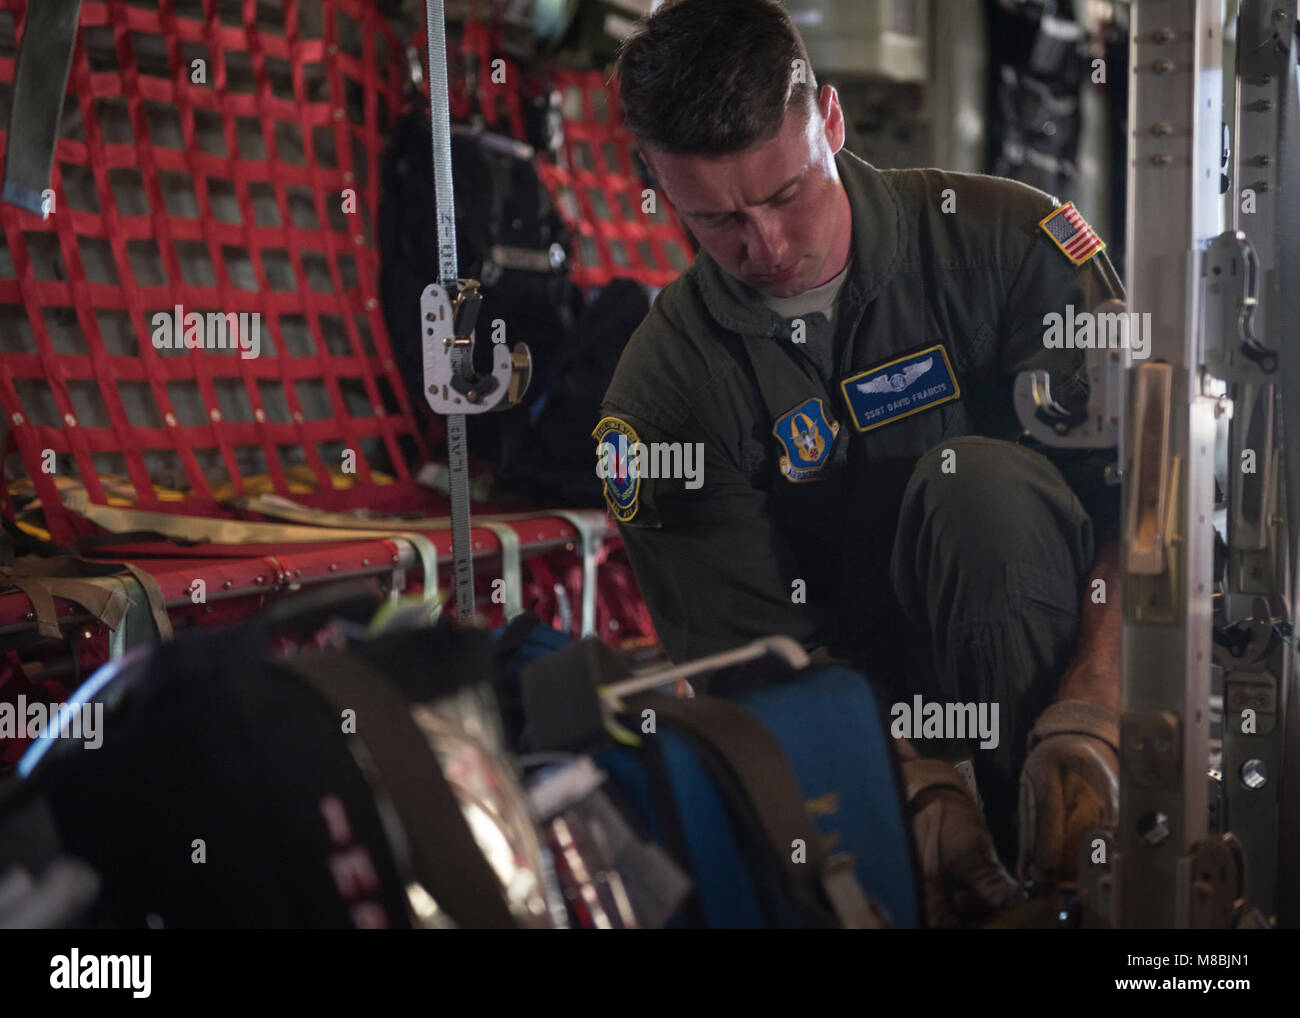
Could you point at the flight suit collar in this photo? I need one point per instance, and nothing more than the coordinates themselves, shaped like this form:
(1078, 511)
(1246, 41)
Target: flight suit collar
(877, 216)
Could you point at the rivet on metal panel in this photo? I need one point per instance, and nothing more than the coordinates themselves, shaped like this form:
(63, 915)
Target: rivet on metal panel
(228, 584)
(334, 567)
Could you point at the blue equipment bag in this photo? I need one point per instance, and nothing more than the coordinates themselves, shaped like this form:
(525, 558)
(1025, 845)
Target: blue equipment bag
(828, 728)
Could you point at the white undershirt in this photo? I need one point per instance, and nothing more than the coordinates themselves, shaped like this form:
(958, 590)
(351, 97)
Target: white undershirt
(820, 298)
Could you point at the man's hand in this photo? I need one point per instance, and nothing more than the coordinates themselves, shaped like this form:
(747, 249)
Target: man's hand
(961, 873)
(1070, 781)
(1068, 786)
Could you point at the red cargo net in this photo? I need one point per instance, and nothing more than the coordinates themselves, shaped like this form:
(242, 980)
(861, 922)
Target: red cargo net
(218, 187)
(621, 228)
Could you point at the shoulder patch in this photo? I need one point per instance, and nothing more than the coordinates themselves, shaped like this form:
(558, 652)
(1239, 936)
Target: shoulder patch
(1071, 233)
(899, 388)
(616, 466)
(807, 436)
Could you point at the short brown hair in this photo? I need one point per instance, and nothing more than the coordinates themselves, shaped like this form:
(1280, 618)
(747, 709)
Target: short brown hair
(712, 76)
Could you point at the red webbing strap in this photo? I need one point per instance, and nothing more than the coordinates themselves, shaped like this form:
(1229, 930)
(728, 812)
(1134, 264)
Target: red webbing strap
(289, 71)
(597, 191)
(598, 194)
(186, 106)
(134, 87)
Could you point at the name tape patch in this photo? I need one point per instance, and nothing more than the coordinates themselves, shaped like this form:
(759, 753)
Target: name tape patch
(807, 436)
(899, 388)
(1071, 233)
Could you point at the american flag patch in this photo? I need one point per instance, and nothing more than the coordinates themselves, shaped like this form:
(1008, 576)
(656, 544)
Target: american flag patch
(1071, 233)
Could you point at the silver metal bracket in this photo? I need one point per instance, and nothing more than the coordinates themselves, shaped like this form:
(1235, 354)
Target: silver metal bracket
(450, 384)
(1233, 351)
(1099, 424)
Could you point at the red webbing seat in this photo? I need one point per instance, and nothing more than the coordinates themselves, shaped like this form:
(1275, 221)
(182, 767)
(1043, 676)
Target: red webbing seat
(221, 194)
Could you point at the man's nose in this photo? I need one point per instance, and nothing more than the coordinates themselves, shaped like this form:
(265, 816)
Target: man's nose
(765, 245)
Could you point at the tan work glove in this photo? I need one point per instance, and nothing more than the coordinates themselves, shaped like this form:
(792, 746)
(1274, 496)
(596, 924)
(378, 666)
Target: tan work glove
(962, 875)
(1069, 785)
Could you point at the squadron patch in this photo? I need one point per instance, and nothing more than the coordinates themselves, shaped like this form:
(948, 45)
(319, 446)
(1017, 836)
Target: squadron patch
(899, 388)
(616, 466)
(1071, 233)
(807, 436)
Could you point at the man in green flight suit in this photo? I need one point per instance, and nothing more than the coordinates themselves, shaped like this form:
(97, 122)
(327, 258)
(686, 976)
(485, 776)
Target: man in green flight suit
(841, 356)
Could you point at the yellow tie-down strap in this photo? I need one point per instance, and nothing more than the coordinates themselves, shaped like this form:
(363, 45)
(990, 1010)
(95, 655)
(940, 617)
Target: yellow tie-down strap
(281, 508)
(219, 531)
(315, 525)
(592, 526)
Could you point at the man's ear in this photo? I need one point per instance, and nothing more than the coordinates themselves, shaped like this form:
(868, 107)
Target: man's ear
(833, 117)
(644, 156)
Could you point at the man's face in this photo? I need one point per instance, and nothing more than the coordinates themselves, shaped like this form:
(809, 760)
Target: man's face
(769, 215)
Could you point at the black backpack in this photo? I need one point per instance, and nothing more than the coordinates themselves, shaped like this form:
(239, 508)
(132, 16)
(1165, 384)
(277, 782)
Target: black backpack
(508, 236)
(549, 456)
(227, 794)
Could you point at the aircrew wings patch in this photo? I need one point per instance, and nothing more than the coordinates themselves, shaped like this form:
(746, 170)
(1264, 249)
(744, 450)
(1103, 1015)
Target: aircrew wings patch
(1071, 233)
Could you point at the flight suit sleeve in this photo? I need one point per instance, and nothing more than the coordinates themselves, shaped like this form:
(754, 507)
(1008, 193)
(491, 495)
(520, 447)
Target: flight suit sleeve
(1046, 282)
(712, 566)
